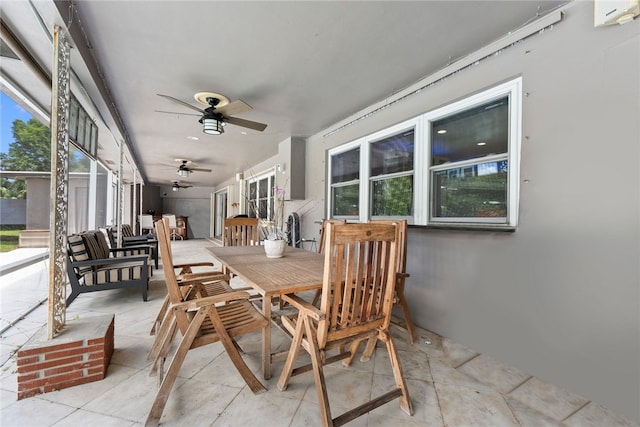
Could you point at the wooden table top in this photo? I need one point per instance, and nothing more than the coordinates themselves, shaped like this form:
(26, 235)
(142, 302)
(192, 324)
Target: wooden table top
(298, 270)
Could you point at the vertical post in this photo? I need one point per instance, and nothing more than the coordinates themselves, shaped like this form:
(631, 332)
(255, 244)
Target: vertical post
(59, 206)
(134, 202)
(140, 209)
(120, 194)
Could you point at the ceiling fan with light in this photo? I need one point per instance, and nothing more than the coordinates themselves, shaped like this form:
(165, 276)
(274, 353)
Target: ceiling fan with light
(218, 111)
(186, 167)
(177, 186)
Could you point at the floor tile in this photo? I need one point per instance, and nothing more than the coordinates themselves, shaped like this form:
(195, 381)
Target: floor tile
(548, 399)
(464, 406)
(81, 417)
(594, 415)
(489, 371)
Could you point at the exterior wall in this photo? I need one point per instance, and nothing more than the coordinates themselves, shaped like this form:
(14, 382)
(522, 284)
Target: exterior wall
(559, 297)
(38, 201)
(194, 203)
(151, 199)
(13, 212)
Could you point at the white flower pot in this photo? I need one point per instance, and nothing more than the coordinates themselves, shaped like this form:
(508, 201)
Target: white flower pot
(274, 248)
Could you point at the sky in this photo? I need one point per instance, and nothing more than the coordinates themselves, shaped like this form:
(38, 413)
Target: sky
(9, 111)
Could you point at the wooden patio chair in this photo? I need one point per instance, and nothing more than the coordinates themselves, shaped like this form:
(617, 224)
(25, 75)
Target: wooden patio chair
(202, 320)
(214, 281)
(241, 232)
(401, 276)
(356, 303)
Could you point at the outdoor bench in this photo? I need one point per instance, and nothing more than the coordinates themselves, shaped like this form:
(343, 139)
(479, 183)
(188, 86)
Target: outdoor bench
(91, 266)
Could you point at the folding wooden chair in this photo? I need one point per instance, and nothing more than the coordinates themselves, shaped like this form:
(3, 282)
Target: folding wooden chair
(214, 281)
(356, 303)
(401, 275)
(201, 320)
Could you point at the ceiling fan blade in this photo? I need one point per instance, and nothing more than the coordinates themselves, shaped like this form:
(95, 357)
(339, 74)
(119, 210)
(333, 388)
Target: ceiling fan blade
(175, 112)
(235, 107)
(246, 123)
(200, 169)
(171, 98)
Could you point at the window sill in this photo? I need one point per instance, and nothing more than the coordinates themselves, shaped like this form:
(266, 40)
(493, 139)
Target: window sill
(468, 227)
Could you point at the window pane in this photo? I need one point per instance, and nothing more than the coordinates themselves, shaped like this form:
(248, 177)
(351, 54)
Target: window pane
(477, 191)
(345, 166)
(102, 185)
(263, 188)
(262, 208)
(470, 134)
(345, 200)
(392, 154)
(392, 197)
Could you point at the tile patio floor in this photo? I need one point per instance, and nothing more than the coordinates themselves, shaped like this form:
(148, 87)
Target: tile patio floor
(450, 385)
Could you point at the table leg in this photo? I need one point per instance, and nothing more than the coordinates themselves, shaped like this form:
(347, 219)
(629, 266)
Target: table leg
(266, 338)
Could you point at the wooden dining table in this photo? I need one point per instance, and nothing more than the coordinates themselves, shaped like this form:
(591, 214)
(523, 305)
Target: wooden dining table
(298, 270)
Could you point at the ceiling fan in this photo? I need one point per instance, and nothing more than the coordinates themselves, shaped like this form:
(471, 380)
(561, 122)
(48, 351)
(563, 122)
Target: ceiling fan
(218, 111)
(185, 169)
(177, 186)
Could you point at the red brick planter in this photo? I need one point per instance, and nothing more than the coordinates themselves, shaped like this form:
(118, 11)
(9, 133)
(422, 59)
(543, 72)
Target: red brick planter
(80, 354)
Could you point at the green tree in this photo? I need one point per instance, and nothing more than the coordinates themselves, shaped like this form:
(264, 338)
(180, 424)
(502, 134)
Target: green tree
(30, 151)
(31, 148)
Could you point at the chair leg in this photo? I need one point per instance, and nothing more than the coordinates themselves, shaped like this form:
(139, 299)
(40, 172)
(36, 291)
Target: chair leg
(296, 343)
(318, 376)
(405, 311)
(232, 350)
(174, 367)
(160, 316)
(369, 349)
(405, 400)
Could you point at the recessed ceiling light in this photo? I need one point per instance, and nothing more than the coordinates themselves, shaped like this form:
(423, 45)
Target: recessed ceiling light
(193, 138)
(441, 131)
(482, 143)
(243, 132)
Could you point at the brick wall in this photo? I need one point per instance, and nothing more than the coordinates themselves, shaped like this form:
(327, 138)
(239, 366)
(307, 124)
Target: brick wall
(80, 354)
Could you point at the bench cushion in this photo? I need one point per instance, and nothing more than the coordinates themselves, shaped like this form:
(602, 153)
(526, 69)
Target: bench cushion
(117, 273)
(78, 252)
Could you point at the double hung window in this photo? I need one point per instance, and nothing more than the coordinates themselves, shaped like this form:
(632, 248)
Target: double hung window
(457, 166)
(260, 196)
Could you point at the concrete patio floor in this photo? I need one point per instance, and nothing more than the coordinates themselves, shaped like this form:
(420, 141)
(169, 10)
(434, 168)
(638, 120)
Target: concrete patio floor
(450, 385)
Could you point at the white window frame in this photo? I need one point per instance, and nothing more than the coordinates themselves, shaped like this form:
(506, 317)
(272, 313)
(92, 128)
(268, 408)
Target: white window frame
(271, 179)
(512, 89)
(364, 208)
(422, 196)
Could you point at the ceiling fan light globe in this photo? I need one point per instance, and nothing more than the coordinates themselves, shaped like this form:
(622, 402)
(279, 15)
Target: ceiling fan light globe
(175, 188)
(183, 173)
(212, 126)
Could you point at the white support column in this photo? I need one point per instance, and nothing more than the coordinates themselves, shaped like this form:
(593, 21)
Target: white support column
(120, 193)
(59, 205)
(134, 201)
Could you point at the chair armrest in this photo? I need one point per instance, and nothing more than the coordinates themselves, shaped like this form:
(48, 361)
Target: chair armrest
(304, 306)
(195, 304)
(145, 248)
(194, 264)
(189, 279)
(107, 261)
(403, 275)
(134, 239)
